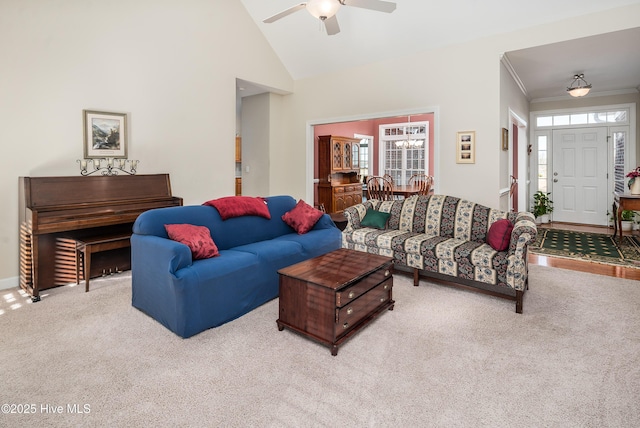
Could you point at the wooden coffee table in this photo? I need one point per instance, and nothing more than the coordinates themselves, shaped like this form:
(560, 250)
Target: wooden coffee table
(331, 297)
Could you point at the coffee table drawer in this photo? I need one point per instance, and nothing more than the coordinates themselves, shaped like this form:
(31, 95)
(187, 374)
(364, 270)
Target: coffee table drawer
(343, 297)
(349, 316)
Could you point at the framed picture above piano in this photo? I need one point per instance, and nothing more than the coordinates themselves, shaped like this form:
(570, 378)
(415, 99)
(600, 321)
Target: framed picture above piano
(105, 134)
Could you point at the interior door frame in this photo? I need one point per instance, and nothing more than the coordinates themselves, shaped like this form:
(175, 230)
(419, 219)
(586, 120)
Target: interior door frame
(522, 156)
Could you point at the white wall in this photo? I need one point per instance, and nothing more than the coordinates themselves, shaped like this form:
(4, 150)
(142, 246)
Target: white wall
(463, 81)
(435, 79)
(171, 65)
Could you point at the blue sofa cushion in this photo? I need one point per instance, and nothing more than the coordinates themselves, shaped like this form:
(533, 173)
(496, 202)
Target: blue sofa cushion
(316, 242)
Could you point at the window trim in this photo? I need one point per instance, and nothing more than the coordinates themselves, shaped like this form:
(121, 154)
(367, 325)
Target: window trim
(382, 138)
(588, 111)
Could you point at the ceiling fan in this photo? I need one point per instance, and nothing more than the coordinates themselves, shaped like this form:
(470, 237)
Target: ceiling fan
(325, 10)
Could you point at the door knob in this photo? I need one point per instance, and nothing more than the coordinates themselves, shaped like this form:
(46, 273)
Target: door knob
(555, 180)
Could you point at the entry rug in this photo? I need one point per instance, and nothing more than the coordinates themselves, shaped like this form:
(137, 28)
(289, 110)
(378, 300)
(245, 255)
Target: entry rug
(595, 247)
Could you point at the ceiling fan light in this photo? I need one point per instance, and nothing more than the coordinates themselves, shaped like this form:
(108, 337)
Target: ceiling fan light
(323, 9)
(579, 87)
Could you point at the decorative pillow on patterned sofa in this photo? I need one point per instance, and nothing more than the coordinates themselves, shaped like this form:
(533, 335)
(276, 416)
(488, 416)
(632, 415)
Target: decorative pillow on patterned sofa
(197, 238)
(302, 217)
(499, 234)
(375, 219)
(236, 206)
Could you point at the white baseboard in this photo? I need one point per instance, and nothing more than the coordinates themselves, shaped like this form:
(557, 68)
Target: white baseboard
(9, 283)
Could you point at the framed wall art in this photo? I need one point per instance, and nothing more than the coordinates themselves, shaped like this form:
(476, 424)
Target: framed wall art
(466, 147)
(505, 139)
(105, 134)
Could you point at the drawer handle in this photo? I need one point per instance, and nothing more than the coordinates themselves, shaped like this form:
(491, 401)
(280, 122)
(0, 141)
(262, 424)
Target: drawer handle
(386, 272)
(349, 311)
(386, 287)
(351, 294)
(382, 299)
(345, 325)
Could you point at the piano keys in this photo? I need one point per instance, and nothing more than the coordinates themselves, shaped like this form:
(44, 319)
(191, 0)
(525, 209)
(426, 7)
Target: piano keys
(55, 211)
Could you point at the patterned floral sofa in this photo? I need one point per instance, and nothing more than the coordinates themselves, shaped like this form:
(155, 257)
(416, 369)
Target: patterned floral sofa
(445, 237)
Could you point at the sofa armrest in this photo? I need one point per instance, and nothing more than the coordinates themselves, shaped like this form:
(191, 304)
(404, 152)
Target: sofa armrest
(325, 222)
(524, 232)
(149, 250)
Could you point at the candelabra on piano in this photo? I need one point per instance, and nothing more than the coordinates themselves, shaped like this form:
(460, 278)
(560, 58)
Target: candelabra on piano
(107, 166)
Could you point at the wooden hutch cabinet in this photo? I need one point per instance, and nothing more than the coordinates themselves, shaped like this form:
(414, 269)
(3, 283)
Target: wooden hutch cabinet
(338, 168)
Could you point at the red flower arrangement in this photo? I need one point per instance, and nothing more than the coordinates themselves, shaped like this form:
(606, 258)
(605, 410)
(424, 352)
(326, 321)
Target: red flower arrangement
(633, 174)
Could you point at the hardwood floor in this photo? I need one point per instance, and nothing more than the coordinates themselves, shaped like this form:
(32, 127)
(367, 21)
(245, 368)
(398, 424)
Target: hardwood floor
(583, 266)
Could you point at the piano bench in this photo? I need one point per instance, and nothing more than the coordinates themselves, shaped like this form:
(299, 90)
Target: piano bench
(88, 245)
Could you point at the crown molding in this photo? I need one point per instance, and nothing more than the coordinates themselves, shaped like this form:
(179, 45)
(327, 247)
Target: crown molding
(505, 61)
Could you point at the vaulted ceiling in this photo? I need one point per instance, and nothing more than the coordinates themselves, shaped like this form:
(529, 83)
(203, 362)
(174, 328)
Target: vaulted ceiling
(610, 62)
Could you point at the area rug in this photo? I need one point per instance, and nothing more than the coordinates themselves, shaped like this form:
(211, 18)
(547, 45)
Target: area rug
(595, 247)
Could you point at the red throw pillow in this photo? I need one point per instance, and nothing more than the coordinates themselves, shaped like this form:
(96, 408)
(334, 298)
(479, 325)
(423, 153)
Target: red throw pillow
(499, 234)
(302, 217)
(197, 238)
(236, 206)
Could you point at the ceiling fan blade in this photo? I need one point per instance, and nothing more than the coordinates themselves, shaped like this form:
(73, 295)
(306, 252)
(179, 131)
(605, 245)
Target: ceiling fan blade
(378, 5)
(285, 13)
(331, 24)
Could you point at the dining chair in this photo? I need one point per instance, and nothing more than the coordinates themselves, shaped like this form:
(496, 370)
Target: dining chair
(393, 183)
(423, 182)
(379, 188)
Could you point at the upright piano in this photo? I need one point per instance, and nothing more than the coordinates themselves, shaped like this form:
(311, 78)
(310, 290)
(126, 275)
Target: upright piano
(55, 211)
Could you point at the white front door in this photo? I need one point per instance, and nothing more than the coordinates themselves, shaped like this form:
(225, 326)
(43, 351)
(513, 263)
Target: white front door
(579, 178)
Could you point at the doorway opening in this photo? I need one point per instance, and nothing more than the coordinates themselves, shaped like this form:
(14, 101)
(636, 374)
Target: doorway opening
(581, 156)
(367, 125)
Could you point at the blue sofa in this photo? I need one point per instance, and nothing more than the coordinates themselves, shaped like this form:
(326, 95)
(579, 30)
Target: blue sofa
(188, 296)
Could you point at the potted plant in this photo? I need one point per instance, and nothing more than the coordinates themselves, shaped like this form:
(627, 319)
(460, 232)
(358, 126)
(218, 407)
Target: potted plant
(627, 220)
(634, 181)
(542, 206)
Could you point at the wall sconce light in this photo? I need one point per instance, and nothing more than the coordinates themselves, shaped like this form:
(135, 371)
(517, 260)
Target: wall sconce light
(579, 87)
(107, 166)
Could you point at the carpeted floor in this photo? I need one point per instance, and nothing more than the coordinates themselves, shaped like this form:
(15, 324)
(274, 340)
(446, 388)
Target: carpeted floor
(444, 357)
(595, 247)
